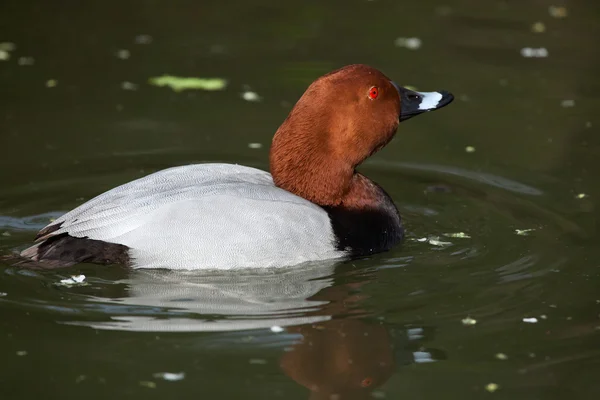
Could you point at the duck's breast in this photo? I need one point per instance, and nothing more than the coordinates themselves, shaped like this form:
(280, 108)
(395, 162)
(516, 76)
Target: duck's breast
(206, 216)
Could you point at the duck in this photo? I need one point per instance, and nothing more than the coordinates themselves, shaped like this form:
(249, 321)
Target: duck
(312, 206)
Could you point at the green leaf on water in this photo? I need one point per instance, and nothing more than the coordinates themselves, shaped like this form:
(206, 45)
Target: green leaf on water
(179, 84)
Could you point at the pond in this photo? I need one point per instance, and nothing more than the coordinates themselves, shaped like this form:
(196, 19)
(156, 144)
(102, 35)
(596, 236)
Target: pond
(494, 292)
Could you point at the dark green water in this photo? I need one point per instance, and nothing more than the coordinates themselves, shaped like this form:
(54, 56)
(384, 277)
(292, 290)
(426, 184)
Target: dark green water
(390, 326)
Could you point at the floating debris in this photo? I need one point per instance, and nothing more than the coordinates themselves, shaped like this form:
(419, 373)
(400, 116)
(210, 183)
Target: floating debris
(74, 280)
(538, 27)
(21, 353)
(470, 149)
(435, 240)
(459, 235)
(378, 394)
(148, 384)
(567, 103)
(129, 86)
(530, 52)
(257, 361)
(180, 83)
(558, 11)
(142, 39)
(501, 356)
(6, 233)
(469, 321)
(123, 54)
(276, 329)
(26, 61)
(492, 387)
(251, 96)
(411, 43)
(524, 232)
(532, 320)
(3, 294)
(170, 376)
(543, 316)
(581, 196)
(421, 357)
(4, 55)
(8, 46)
(255, 145)
(50, 83)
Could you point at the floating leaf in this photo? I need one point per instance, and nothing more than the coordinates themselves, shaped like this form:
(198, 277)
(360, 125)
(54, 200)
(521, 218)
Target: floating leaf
(460, 235)
(179, 84)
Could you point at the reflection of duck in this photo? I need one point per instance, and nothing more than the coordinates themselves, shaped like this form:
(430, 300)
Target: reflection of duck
(312, 206)
(196, 301)
(345, 358)
(331, 348)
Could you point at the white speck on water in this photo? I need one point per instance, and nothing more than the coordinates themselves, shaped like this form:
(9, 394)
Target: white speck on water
(470, 149)
(276, 329)
(6, 234)
(50, 83)
(170, 376)
(378, 394)
(558, 11)
(501, 356)
(411, 43)
(4, 55)
(459, 235)
(414, 333)
(538, 27)
(148, 384)
(143, 39)
(469, 321)
(531, 52)
(435, 241)
(524, 232)
(423, 239)
(251, 96)
(255, 145)
(543, 316)
(257, 361)
(3, 294)
(581, 196)
(21, 353)
(73, 280)
(531, 320)
(422, 357)
(568, 103)
(129, 86)
(492, 387)
(123, 54)
(8, 46)
(26, 61)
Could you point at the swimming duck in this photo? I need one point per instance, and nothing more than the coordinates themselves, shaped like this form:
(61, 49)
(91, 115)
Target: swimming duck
(313, 205)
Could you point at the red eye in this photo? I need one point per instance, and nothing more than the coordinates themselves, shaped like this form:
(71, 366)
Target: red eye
(368, 381)
(373, 93)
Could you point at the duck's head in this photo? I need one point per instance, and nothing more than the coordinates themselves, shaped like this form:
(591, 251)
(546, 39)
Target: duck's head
(343, 117)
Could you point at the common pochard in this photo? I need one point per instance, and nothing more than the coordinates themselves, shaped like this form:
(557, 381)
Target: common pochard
(313, 205)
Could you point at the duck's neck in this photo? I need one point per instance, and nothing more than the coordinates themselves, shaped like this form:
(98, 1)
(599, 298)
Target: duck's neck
(363, 216)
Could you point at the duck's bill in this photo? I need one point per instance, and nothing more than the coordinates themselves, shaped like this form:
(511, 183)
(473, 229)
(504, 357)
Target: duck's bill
(414, 103)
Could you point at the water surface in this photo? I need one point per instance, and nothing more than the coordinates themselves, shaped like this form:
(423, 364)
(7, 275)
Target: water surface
(499, 235)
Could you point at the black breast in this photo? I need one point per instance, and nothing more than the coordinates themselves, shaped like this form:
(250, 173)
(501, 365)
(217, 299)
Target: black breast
(367, 231)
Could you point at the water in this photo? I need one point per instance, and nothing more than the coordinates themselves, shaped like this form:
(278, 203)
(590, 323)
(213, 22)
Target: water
(497, 235)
